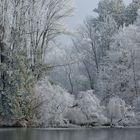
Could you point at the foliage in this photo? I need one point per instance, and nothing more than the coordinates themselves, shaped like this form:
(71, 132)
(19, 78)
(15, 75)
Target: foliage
(27, 28)
(114, 8)
(119, 71)
(17, 83)
(116, 109)
(131, 12)
(87, 110)
(51, 104)
(119, 112)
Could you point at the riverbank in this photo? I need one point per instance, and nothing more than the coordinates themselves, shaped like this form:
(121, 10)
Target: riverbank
(30, 124)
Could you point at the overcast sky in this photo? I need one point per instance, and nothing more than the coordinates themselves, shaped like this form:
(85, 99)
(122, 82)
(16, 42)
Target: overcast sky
(84, 8)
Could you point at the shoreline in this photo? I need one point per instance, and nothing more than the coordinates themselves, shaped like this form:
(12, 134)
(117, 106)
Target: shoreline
(70, 128)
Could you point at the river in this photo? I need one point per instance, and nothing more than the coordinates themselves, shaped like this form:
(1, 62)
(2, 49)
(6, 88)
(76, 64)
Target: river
(70, 134)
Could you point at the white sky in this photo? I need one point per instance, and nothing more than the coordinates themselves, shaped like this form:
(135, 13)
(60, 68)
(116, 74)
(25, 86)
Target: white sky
(84, 8)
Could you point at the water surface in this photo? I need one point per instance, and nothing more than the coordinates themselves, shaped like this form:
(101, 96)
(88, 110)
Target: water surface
(70, 134)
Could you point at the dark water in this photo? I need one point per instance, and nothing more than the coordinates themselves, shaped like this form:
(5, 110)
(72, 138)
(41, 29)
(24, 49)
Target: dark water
(70, 134)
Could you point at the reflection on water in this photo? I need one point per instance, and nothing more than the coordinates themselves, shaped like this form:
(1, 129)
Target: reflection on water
(88, 134)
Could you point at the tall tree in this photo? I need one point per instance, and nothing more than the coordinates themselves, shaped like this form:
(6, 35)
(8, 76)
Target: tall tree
(114, 8)
(27, 28)
(120, 70)
(131, 12)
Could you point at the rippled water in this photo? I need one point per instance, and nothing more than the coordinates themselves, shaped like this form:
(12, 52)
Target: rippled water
(70, 134)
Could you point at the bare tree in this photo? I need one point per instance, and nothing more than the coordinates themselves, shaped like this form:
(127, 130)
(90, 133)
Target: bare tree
(33, 25)
(90, 35)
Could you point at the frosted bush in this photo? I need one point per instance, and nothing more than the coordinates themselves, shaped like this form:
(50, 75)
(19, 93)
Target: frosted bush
(52, 104)
(130, 118)
(54, 107)
(116, 109)
(119, 113)
(76, 116)
(87, 109)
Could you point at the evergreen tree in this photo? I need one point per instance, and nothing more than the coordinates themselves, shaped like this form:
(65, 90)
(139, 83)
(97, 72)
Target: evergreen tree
(131, 12)
(114, 8)
(16, 82)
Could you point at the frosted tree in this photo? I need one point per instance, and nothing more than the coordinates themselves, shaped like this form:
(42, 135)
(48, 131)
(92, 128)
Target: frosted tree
(96, 38)
(121, 65)
(27, 29)
(90, 44)
(38, 23)
(48, 20)
(131, 12)
(87, 110)
(88, 49)
(117, 110)
(51, 104)
(114, 8)
(65, 64)
(107, 29)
